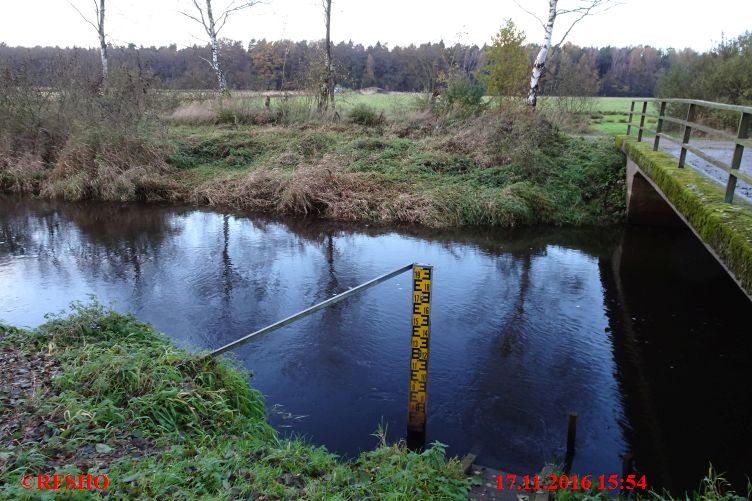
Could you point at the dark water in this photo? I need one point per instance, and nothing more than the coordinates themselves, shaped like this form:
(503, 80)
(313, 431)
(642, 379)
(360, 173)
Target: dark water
(638, 331)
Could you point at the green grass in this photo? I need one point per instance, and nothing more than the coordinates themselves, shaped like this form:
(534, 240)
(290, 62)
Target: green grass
(619, 105)
(388, 102)
(614, 125)
(392, 102)
(610, 116)
(201, 428)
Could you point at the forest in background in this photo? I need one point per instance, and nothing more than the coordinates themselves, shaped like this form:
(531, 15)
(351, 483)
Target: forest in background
(289, 65)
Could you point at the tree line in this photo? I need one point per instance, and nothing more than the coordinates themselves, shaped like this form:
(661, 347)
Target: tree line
(290, 65)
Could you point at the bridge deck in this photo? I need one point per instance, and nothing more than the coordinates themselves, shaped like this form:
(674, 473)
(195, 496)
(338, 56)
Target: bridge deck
(725, 229)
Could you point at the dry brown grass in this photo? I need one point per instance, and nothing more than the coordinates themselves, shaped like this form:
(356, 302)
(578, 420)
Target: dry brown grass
(194, 113)
(224, 110)
(413, 124)
(257, 191)
(112, 172)
(471, 139)
(321, 189)
(19, 172)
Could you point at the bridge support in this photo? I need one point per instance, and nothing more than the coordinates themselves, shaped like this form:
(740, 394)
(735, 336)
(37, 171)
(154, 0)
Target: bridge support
(645, 205)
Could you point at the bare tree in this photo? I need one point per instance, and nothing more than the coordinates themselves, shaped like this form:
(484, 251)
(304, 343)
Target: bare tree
(213, 25)
(99, 26)
(327, 86)
(579, 10)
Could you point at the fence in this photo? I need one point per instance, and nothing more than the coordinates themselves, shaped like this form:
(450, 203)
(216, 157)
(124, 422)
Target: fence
(689, 124)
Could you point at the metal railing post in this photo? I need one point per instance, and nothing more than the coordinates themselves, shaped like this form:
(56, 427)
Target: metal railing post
(741, 133)
(629, 123)
(687, 135)
(659, 126)
(642, 121)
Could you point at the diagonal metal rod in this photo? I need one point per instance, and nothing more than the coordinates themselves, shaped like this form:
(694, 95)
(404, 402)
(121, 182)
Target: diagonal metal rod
(311, 310)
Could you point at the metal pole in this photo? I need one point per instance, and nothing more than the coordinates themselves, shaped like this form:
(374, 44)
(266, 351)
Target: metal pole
(571, 439)
(309, 311)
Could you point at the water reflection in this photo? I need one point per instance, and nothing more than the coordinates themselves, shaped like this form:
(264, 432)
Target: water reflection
(683, 348)
(528, 326)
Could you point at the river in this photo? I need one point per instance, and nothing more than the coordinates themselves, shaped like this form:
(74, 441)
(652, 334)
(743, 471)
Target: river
(639, 331)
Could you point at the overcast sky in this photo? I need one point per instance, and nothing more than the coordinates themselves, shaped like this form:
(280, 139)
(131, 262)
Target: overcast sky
(660, 23)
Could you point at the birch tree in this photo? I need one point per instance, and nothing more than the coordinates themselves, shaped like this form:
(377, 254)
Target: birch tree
(576, 10)
(213, 24)
(99, 27)
(327, 86)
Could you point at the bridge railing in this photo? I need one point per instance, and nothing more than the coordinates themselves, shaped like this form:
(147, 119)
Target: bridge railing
(740, 139)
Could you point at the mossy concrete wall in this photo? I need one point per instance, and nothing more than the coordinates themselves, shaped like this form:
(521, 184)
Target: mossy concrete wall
(725, 229)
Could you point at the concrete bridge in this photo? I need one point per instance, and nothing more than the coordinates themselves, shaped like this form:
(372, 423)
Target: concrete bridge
(663, 190)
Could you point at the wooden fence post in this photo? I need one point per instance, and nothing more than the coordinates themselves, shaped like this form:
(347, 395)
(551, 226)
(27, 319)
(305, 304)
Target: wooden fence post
(642, 121)
(736, 163)
(687, 135)
(659, 126)
(629, 124)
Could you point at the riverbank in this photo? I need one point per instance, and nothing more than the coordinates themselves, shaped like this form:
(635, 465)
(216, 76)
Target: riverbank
(101, 393)
(504, 169)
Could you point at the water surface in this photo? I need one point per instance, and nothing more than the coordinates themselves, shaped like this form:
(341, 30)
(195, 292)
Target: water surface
(638, 331)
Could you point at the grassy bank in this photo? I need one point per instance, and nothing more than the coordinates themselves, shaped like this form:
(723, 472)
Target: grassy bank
(506, 169)
(453, 160)
(99, 392)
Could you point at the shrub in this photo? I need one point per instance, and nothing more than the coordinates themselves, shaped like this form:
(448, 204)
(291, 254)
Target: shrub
(521, 137)
(463, 95)
(363, 114)
(238, 111)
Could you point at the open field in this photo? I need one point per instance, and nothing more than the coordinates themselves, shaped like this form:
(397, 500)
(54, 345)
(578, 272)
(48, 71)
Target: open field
(388, 102)
(611, 116)
(608, 115)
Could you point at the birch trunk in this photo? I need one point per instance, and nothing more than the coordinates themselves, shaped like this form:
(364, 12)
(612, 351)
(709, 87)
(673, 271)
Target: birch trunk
(327, 86)
(221, 82)
(540, 60)
(102, 41)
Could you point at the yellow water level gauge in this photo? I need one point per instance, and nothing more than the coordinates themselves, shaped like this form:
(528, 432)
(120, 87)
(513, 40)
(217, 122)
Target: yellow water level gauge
(421, 330)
